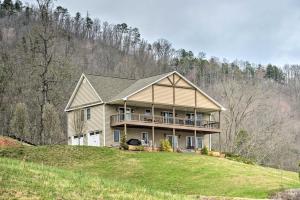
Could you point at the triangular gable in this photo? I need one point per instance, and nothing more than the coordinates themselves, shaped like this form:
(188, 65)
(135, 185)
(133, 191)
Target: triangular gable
(83, 95)
(186, 93)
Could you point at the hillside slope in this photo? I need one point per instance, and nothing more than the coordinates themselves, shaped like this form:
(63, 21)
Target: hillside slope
(160, 173)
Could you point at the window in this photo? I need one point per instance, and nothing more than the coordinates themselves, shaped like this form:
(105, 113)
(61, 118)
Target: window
(116, 135)
(189, 142)
(199, 142)
(88, 113)
(145, 138)
(82, 115)
(147, 112)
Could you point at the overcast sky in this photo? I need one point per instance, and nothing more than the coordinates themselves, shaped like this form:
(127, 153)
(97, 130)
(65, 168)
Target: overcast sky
(260, 31)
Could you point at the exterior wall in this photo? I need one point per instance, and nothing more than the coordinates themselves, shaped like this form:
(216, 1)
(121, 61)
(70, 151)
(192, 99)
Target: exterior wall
(160, 134)
(84, 95)
(93, 124)
(185, 95)
(109, 111)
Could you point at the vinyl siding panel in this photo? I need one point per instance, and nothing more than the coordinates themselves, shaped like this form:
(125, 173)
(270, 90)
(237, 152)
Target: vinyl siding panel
(166, 81)
(163, 95)
(109, 111)
(184, 97)
(144, 95)
(183, 83)
(95, 123)
(204, 102)
(84, 95)
(175, 78)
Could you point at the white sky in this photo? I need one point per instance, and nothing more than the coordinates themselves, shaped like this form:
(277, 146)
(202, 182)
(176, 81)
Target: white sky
(260, 31)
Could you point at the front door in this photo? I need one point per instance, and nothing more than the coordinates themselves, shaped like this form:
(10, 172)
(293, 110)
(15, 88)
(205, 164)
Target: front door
(170, 139)
(189, 142)
(122, 115)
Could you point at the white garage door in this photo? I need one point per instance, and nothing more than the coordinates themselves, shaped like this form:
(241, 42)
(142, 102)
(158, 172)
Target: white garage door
(94, 139)
(75, 140)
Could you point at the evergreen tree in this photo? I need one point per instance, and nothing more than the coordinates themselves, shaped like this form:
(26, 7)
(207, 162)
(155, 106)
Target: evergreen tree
(18, 5)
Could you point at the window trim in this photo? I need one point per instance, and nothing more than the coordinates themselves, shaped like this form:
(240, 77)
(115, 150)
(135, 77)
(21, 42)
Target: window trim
(119, 133)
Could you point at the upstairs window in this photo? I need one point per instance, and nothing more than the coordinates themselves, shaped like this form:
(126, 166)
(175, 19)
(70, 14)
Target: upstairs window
(147, 112)
(88, 113)
(82, 115)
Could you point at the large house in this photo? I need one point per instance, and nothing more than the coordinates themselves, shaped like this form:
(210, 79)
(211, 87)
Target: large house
(102, 109)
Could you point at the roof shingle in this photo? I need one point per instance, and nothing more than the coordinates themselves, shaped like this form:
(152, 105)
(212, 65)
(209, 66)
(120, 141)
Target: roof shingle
(114, 88)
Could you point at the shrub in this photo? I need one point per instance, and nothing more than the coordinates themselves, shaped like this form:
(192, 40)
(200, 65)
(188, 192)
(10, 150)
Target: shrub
(123, 144)
(165, 145)
(238, 158)
(140, 148)
(204, 150)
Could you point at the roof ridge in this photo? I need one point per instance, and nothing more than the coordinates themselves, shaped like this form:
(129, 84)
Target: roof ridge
(112, 76)
(156, 75)
(134, 79)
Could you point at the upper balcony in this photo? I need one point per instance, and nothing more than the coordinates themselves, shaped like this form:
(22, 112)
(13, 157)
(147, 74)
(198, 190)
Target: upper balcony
(165, 122)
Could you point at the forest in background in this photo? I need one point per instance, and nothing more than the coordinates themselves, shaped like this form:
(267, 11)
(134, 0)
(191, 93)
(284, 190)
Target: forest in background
(44, 50)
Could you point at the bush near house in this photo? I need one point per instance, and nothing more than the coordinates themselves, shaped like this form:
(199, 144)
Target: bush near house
(204, 151)
(165, 145)
(123, 144)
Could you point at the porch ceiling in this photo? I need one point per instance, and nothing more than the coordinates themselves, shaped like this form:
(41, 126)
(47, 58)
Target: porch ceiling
(161, 106)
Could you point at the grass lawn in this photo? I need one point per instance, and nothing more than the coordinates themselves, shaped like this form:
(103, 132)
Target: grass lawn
(67, 171)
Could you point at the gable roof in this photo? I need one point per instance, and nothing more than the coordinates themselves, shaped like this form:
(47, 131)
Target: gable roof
(139, 85)
(79, 83)
(108, 87)
(111, 89)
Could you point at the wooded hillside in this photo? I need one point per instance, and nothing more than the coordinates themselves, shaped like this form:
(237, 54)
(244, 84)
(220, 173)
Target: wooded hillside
(43, 51)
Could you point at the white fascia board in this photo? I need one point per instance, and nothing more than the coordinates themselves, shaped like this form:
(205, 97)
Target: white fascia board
(76, 89)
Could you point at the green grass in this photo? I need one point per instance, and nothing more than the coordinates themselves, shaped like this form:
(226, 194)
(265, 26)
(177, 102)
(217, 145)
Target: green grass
(65, 172)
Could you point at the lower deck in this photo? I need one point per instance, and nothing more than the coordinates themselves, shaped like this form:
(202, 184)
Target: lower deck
(182, 140)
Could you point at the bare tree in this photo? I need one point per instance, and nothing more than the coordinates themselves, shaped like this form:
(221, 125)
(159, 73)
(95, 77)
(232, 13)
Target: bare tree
(78, 123)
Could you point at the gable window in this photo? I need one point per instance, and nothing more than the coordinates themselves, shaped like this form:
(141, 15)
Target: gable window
(88, 113)
(116, 135)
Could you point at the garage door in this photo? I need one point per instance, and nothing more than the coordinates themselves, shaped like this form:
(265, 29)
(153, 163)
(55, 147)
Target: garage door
(94, 139)
(76, 140)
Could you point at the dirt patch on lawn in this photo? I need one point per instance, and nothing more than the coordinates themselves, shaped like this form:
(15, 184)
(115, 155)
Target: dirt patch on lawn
(9, 142)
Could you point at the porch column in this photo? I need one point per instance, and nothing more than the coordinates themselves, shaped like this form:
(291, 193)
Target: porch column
(195, 131)
(220, 147)
(209, 139)
(125, 118)
(174, 130)
(153, 127)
